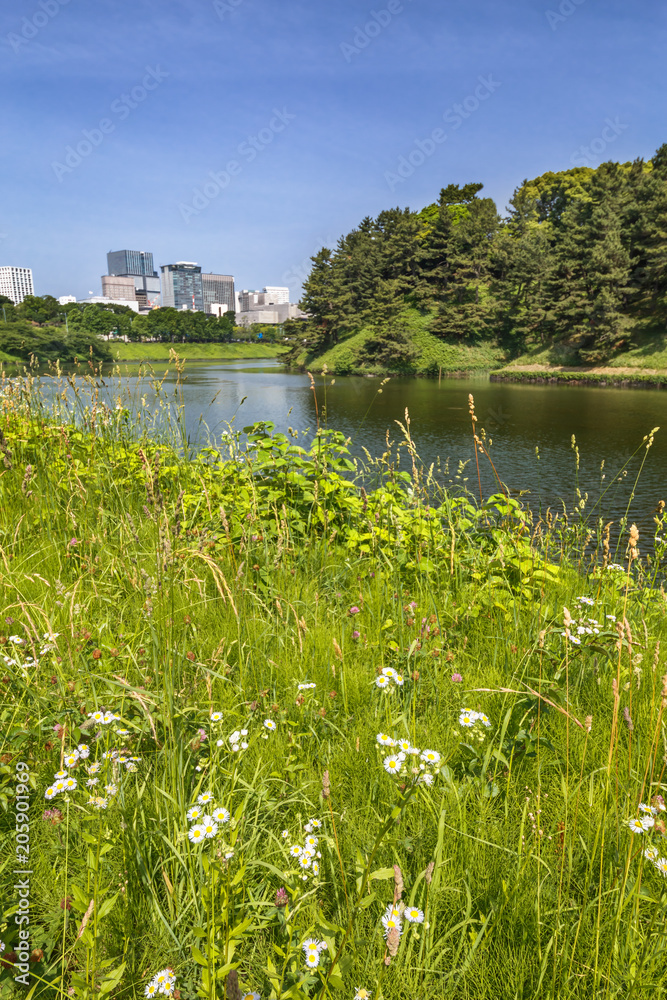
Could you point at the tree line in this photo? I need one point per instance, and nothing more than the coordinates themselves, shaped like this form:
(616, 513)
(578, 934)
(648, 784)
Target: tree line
(580, 257)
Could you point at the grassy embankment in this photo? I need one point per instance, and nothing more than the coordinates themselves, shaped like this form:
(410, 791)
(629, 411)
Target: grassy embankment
(643, 365)
(432, 354)
(220, 627)
(195, 352)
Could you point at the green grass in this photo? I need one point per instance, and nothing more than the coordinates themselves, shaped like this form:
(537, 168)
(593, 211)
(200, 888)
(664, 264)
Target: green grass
(195, 352)
(433, 354)
(166, 591)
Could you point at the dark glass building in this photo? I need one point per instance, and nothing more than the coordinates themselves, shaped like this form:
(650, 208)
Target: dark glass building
(218, 288)
(127, 263)
(182, 286)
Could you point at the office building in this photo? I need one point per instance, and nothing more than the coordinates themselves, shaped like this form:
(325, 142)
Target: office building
(275, 295)
(275, 314)
(16, 283)
(218, 288)
(138, 265)
(65, 300)
(182, 286)
(130, 262)
(117, 287)
(271, 295)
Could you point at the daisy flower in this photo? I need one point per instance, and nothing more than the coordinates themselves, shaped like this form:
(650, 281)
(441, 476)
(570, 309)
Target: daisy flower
(196, 834)
(315, 868)
(216, 716)
(390, 924)
(646, 821)
(398, 679)
(71, 758)
(204, 798)
(381, 681)
(661, 865)
(308, 852)
(295, 851)
(285, 834)
(393, 764)
(96, 716)
(314, 824)
(312, 959)
(59, 785)
(305, 861)
(50, 793)
(413, 915)
(91, 782)
(109, 717)
(221, 815)
(384, 740)
(430, 756)
(361, 993)
(651, 853)
(484, 719)
(311, 841)
(270, 725)
(425, 779)
(388, 672)
(194, 813)
(94, 767)
(209, 826)
(636, 826)
(251, 996)
(403, 745)
(466, 719)
(84, 751)
(60, 774)
(150, 990)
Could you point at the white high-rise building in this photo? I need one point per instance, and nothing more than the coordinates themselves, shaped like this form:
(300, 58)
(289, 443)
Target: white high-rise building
(276, 296)
(16, 283)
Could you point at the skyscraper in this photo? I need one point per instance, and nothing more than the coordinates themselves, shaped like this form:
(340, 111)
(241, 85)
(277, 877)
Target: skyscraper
(218, 288)
(182, 286)
(16, 283)
(136, 264)
(130, 262)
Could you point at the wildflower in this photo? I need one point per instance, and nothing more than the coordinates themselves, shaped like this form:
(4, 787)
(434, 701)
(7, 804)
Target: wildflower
(611, 618)
(194, 813)
(270, 725)
(456, 678)
(651, 853)
(84, 751)
(354, 610)
(96, 716)
(661, 865)
(196, 834)
(390, 924)
(59, 785)
(312, 959)
(647, 822)
(98, 802)
(17, 640)
(398, 679)
(109, 717)
(221, 815)
(382, 681)
(361, 993)
(126, 732)
(425, 779)
(60, 774)
(393, 764)
(413, 915)
(311, 842)
(636, 826)
(50, 793)
(307, 686)
(312, 945)
(91, 782)
(285, 834)
(575, 640)
(315, 823)
(282, 899)
(111, 789)
(643, 808)
(466, 719)
(586, 600)
(216, 716)
(484, 719)
(305, 860)
(94, 767)
(315, 868)
(71, 759)
(384, 740)
(389, 672)
(204, 798)
(430, 756)
(356, 634)
(295, 851)
(150, 990)
(251, 996)
(210, 827)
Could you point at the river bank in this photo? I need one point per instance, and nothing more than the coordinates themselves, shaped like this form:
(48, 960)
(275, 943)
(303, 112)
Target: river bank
(135, 353)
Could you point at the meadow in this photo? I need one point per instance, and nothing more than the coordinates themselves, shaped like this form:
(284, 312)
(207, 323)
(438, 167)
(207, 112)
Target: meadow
(277, 725)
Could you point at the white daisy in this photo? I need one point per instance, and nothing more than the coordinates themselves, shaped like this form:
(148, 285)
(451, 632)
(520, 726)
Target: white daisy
(221, 815)
(60, 774)
(636, 826)
(216, 716)
(413, 915)
(381, 681)
(661, 865)
(205, 798)
(210, 827)
(312, 959)
(50, 793)
(430, 756)
(651, 853)
(398, 679)
(295, 851)
(84, 751)
(384, 740)
(389, 672)
(393, 764)
(196, 834)
(270, 725)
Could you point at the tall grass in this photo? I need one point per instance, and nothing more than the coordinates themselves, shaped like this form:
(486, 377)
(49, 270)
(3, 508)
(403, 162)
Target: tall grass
(227, 619)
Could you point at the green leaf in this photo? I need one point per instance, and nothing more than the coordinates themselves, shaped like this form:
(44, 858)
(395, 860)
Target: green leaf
(112, 981)
(382, 873)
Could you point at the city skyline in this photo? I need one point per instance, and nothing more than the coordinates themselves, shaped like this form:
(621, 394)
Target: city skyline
(327, 115)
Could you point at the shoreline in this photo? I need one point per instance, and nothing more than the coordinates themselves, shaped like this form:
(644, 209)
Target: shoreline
(607, 378)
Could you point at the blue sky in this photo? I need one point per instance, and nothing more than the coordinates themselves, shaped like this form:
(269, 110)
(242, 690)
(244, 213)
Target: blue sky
(245, 134)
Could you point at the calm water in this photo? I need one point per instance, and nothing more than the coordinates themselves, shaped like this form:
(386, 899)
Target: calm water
(609, 425)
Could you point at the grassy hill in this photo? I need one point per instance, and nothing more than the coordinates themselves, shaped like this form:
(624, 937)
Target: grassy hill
(433, 354)
(195, 352)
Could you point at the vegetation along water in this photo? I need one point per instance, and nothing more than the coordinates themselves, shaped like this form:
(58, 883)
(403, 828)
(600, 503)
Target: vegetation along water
(271, 731)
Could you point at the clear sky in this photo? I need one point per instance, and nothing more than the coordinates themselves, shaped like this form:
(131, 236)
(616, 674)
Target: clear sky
(245, 134)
